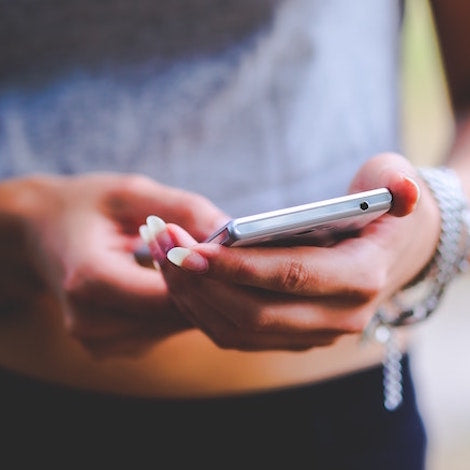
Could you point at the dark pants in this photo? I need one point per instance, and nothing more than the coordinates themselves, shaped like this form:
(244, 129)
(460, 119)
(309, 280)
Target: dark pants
(337, 424)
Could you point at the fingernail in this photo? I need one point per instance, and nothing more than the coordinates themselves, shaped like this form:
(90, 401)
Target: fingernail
(155, 225)
(418, 189)
(145, 234)
(415, 184)
(154, 249)
(188, 259)
(148, 233)
(158, 232)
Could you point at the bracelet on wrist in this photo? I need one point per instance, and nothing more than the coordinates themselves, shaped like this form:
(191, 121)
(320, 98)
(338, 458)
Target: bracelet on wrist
(416, 301)
(419, 299)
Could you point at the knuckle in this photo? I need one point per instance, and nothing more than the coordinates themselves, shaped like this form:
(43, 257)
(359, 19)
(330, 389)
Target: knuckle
(295, 277)
(258, 321)
(258, 318)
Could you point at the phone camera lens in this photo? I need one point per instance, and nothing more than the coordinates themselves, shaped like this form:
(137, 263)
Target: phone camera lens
(364, 206)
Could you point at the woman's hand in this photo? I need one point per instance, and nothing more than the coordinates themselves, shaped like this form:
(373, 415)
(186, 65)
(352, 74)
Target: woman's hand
(295, 298)
(76, 237)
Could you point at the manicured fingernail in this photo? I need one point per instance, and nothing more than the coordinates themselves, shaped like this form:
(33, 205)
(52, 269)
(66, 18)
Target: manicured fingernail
(416, 185)
(149, 233)
(158, 232)
(155, 225)
(188, 259)
(418, 190)
(154, 248)
(145, 234)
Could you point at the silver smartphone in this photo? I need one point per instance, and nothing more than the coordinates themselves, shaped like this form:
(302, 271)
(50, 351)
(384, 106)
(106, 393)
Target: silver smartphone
(321, 223)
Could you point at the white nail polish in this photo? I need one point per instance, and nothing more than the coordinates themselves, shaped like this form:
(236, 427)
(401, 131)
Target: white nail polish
(155, 225)
(177, 255)
(145, 234)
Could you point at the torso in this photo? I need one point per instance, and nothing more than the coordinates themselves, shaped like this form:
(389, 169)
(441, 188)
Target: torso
(186, 365)
(279, 88)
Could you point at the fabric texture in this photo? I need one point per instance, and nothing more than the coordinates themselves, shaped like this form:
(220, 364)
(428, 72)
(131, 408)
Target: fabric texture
(283, 115)
(338, 424)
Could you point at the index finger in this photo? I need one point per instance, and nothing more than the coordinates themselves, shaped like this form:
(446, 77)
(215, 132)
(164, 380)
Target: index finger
(343, 269)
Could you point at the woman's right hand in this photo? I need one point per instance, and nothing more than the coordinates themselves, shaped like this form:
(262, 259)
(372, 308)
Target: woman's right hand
(75, 238)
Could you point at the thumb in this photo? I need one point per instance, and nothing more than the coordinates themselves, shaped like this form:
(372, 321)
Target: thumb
(136, 197)
(392, 171)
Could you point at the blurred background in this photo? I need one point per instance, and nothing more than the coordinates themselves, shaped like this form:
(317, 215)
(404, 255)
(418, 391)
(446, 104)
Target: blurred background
(441, 352)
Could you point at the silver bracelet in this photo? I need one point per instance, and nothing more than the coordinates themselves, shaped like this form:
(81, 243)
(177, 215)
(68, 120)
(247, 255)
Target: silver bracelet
(450, 259)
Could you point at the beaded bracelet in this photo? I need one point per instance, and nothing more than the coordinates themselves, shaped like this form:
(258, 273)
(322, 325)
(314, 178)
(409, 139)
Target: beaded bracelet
(450, 259)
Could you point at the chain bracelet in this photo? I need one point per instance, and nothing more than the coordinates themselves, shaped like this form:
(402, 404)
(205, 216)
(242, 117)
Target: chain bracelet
(450, 259)
(451, 256)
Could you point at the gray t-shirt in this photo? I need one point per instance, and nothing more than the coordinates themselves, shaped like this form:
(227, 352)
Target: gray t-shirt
(279, 111)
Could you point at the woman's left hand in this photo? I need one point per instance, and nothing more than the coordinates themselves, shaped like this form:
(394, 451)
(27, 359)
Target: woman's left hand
(298, 297)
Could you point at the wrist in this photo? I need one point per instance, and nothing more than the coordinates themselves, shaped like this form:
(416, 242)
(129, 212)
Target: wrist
(425, 233)
(450, 259)
(422, 296)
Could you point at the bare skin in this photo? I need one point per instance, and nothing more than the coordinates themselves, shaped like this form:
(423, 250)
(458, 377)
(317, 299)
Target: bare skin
(114, 325)
(249, 300)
